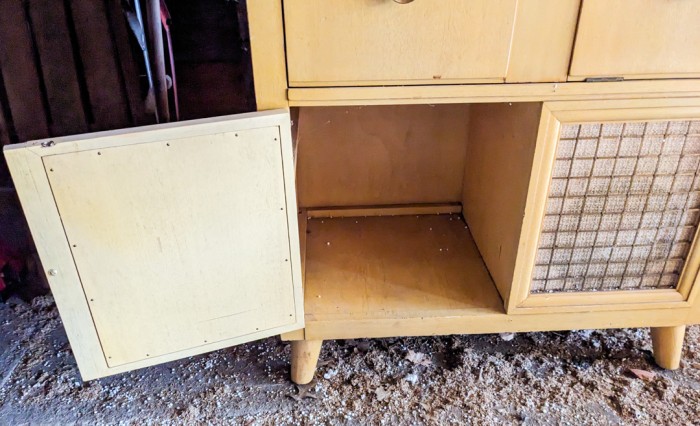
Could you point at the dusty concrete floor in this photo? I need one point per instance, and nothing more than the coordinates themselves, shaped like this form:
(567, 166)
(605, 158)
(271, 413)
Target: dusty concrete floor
(537, 378)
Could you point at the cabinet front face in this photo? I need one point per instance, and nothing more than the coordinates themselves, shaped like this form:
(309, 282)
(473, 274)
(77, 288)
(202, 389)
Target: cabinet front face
(614, 207)
(375, 42)
(168, 241)
(637, 39)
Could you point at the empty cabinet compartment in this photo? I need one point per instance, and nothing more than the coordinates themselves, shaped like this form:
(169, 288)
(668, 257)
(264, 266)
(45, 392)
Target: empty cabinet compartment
(430, 219)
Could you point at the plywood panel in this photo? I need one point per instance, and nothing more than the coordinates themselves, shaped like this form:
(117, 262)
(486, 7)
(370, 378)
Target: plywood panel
(394, 267)
(359, 156)
(370, 42)
(167, 241)
(502, 142)
(637, 39)
(542, 40)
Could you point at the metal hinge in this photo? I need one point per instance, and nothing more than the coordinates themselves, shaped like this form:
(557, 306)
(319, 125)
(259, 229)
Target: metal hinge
(603, 79)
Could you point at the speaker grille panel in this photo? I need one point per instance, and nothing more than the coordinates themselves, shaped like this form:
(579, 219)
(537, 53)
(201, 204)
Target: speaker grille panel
(623, 207)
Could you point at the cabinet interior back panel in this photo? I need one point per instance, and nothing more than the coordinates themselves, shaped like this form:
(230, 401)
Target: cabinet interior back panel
(381, 155)
(623, 207)
(178, 244)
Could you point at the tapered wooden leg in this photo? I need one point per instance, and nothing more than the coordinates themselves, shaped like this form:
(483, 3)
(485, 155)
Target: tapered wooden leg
(668, 345)
(304, 358)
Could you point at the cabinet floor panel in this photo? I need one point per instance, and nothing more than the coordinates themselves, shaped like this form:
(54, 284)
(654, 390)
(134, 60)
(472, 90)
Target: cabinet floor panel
(395, 267)
(386, 276)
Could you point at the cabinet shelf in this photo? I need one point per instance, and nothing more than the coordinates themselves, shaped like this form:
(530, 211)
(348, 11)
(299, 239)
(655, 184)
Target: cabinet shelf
(400, 273)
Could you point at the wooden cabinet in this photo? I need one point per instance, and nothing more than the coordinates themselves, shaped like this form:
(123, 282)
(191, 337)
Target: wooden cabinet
(371, 42)
(429, 207)
(637, 39)
(173, 240)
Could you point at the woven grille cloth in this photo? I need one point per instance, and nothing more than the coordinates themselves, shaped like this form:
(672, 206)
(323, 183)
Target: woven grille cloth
(622, 209)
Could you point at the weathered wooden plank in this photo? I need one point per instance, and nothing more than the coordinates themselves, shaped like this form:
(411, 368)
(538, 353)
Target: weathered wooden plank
(127, 64)
(22, 82)
(107, 98)
(4, 124)
(58, 68)
(4, 137)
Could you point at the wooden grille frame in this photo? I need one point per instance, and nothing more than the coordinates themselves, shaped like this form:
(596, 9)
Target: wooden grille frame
(623, 207)
(554, 116)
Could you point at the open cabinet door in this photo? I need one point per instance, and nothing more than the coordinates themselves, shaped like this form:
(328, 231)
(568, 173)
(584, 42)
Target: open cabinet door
(166, 241)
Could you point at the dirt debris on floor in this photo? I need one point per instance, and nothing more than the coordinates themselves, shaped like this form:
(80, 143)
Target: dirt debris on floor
(580, 377)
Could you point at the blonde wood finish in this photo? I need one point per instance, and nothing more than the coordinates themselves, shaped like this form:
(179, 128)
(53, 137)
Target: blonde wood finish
(502, 141)
(538, 188)
(494, 322)
(483, 93)
(554, 114)
(304, 359)
(386, 276)
(637, 39)
(395, 268)
(380, 42)
(293, 335)
(668, 346)
(542, 41)
(266, 29)
(143, 209)
(360, 156)
(302, 219)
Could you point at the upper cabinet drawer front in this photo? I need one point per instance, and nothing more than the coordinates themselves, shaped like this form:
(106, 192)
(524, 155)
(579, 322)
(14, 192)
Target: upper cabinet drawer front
(637, 39)
(376, 42)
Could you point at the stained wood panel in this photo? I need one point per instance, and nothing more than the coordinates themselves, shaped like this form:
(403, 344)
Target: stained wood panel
(395, 267)
(501, 149)
(358, 156)
(108, 109)
(58, 67)
(20, 75)
(67, 68)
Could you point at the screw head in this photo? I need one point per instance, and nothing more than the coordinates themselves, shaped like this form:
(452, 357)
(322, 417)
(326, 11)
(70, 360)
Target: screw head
(53, 272)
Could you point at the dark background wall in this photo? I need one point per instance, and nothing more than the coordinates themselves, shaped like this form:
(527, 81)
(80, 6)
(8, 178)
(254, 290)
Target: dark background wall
(73, 66)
